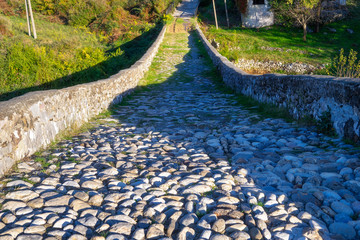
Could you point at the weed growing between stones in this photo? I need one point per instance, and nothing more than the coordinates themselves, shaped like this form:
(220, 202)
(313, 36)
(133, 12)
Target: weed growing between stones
(200, 215)
(104, 234)
(43, 162)
(345, 66)
(307, 120)
(73, 160)
(28, 180)
(325, 125)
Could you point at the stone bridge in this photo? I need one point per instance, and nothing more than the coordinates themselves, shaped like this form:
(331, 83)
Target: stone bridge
(178, 159)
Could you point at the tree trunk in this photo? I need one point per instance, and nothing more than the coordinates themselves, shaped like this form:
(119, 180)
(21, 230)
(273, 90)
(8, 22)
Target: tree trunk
(305, 32)
(216, 23)
(227, 16)
(318, 14)
(27, 18)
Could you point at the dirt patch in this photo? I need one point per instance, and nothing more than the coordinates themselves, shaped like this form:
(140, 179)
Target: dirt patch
(3, 30)
(256, 72)
(4, 7)
(5, 26)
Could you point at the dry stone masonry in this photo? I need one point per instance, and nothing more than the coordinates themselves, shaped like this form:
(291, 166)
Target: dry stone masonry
(272, 66)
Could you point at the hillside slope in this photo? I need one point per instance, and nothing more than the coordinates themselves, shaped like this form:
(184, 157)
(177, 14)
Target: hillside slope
(72, 47)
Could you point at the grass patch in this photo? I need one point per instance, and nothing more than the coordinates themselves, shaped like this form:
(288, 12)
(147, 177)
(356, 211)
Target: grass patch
(44, 163)
(207, 194)
(140, 167)
(200, 215)
(73, 160)
(283, 44)
(107, 113)
(156, 75)
(70, 132)
(325, 125)
(104, 234)
(28, 180)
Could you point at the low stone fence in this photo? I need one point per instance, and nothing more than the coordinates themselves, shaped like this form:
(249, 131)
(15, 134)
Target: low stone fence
(32, 121)
(303, 95)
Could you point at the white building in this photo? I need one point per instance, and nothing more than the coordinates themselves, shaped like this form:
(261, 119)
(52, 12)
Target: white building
(257, 14)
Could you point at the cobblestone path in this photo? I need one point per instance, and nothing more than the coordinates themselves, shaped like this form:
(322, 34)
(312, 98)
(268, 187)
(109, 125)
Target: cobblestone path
(182, 160)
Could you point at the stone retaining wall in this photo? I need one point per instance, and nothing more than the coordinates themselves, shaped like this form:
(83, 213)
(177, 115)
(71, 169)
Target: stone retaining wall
(303, 95)
(32, 121)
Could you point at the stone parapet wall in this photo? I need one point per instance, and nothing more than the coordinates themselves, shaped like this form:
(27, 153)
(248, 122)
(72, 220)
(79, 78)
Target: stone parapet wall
(32, 121)
(303, 95)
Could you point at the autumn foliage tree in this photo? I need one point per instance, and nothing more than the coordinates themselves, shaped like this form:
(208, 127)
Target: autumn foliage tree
(301, 11)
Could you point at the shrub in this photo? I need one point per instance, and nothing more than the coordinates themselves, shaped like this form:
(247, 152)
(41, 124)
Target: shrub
(166, 18)
(281, 18)
(324, 123)
(45, 6)
(83, 13)
(345, 66)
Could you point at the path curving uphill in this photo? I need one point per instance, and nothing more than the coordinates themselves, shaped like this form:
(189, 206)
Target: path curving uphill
(182, 160)
(186, 9)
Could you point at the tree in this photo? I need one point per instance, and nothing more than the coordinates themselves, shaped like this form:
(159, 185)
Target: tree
(302, 11)
(216, 22)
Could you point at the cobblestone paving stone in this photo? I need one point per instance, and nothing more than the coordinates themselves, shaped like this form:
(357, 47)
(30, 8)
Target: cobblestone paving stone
(184, 161)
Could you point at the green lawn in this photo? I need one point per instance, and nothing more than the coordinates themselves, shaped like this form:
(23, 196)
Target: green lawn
(259, 44)
(63, 55)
